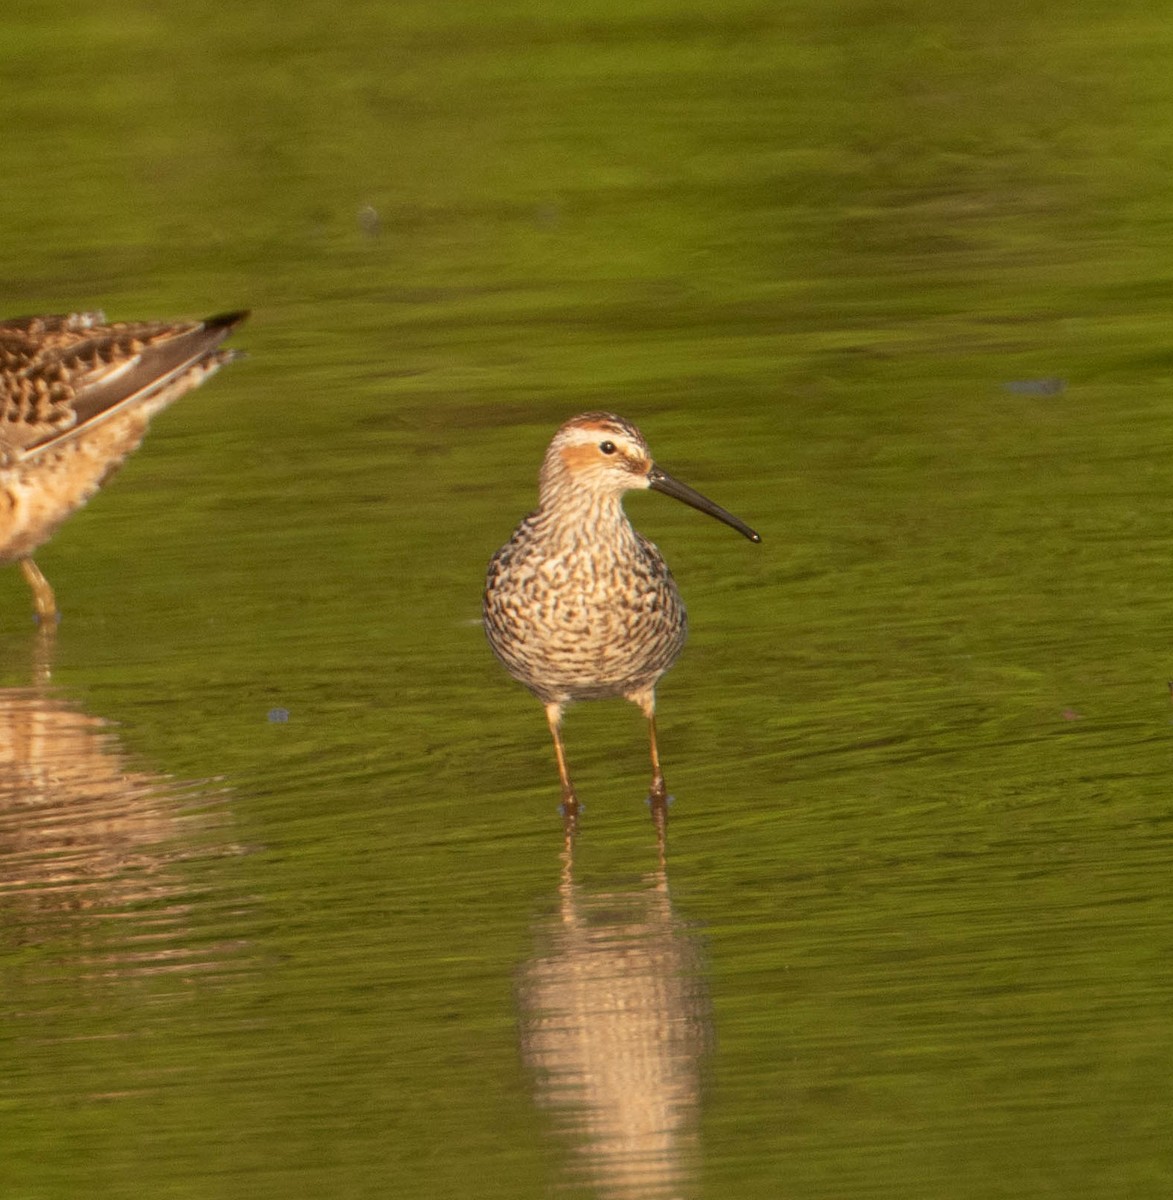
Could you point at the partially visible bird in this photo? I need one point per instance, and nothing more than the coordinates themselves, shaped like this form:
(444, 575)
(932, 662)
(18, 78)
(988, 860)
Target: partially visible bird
(577, 604)
(76, 396)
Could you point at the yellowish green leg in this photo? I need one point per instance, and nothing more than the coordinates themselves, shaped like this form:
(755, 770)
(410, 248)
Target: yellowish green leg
(44, 601)
(570, 804)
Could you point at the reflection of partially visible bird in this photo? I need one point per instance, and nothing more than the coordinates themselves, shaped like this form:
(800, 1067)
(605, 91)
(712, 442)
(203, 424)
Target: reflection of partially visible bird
(578, 605)
(76, 396)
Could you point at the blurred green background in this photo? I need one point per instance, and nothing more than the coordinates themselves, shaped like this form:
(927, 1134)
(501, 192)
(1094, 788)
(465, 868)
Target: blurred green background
(890, 281)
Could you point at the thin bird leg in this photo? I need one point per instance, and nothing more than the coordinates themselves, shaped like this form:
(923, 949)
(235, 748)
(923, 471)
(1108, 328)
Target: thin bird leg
(647, 702)
(43, 599)
(658, 795)
(659, 789)
(569, 799)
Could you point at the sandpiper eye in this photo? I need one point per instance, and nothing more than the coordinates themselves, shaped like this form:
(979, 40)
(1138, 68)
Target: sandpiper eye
(607, 447)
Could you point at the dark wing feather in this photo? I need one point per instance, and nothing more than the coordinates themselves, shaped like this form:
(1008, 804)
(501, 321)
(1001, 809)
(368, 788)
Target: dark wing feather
(60, 375)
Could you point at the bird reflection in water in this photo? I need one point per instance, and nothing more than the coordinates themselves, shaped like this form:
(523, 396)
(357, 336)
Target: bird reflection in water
(615, 1022)
(92, 847)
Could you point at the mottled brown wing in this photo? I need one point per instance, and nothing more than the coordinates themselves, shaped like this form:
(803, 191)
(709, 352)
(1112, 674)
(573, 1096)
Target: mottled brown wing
(60, 375)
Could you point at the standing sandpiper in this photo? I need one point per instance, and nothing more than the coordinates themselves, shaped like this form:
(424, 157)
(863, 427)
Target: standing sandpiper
(578, 605)
(76, 396)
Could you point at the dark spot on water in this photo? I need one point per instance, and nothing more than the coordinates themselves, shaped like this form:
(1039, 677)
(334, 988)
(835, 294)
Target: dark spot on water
(1036, 387)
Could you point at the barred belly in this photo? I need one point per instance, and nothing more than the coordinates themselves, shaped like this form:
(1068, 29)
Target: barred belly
(573, 624)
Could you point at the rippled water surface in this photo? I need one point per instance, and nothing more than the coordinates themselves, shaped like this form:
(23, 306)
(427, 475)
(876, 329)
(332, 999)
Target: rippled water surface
(284, 905)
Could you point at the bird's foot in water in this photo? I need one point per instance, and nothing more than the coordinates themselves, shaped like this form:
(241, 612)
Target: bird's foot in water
(570, 811)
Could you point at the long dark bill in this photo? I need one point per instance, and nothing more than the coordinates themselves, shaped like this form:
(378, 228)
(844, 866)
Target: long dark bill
(661, 481)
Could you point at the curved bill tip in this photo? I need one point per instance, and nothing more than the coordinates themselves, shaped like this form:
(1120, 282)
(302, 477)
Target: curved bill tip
(661, 481)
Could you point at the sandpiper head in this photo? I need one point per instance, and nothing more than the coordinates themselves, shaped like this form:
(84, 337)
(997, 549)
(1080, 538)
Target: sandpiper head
(604, 454)
(600, 452)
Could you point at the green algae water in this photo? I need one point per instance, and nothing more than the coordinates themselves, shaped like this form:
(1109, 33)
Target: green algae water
(286, 911)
